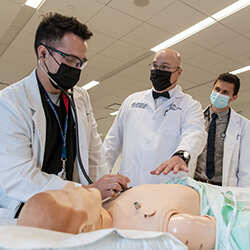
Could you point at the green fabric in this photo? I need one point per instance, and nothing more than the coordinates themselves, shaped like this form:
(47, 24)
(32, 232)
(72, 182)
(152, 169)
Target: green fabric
(233, 222)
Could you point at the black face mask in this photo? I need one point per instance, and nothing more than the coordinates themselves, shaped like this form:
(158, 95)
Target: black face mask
(161, 79)
(66, 77)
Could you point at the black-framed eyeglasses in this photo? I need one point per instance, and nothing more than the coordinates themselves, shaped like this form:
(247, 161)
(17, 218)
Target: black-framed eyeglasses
(70, 59)
(162, 67)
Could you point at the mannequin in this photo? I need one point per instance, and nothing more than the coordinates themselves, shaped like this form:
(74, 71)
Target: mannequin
(70, 210)
(169, 208)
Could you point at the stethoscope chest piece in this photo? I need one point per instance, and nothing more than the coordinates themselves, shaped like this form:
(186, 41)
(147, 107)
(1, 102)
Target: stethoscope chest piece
(223, 135)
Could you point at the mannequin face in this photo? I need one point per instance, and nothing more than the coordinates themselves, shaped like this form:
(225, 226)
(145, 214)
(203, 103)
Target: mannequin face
(76, 197)
(70, 210)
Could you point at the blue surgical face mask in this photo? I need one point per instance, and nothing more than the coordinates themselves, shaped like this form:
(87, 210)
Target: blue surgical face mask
(218, 100)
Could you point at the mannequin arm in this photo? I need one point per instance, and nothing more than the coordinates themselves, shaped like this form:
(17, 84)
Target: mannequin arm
(197, 232)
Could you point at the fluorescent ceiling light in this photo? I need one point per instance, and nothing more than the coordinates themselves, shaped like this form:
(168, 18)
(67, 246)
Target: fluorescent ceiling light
(185, 34)
(90, 85)
(202, 25)
(231, 9)
(114, 113)
(34, 3)
(241, 70)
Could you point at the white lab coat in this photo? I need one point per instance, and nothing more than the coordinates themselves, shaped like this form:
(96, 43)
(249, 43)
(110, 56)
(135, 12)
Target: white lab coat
(146, 137)
(236, 158)
(23, 134)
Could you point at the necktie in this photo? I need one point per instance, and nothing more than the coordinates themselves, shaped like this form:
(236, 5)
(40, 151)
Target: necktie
(210, 147)
(164, 94)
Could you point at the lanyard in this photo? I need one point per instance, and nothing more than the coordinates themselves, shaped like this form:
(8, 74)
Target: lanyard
(63, 130)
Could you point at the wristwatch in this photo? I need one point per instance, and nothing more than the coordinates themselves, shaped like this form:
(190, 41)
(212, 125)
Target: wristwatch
(185, 156)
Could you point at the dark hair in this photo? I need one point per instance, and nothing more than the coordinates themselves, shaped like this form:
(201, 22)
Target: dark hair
(54, 26)
(227, 77)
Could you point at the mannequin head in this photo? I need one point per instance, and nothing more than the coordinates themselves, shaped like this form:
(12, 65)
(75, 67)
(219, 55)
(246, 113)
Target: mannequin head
(70, 210)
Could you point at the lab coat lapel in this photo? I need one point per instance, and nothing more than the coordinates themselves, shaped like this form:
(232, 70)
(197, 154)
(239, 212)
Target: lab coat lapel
(148, 98)
(35, 103)
(229, 143)
(80, 110)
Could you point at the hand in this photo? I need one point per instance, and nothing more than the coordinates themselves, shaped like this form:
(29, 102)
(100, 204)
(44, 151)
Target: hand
(174, 164)
(110, 184)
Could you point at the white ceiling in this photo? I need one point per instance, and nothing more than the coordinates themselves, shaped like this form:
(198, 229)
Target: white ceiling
(119, 52)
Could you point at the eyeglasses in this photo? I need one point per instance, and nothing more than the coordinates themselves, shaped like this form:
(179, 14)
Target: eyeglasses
(70, 59)
(161, 67)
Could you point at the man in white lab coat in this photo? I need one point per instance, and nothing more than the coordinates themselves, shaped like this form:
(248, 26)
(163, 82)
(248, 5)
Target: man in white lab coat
(158, 131)
(231, 157)
(38, 126)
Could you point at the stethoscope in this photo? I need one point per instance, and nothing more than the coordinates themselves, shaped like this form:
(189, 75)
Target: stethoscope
(69, 96)
(207, 114)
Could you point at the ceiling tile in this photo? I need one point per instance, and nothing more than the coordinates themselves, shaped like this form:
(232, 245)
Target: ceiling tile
(142, 13)
(9, 11)
(247, 35)
(123, 51)
(24, 41)
(134, 72)
(202, 90)
(103, 1)
(33, 23)
(225, 66)
(205, 59)
(20, 69)
(145, 62)
(243, 58)
(233, 48)
(168, 21)
(118, 80)
(104, 63)
(213, 36)
(146, 36)
(185, 84)
(83, 9)
(196, 75)
(21, 2)
(238, 21)
(89, 74)
(112, 18)
(102, 90)
(187, 49)
(208, 7)
(99, 42)
(13, 55)
(140, 85)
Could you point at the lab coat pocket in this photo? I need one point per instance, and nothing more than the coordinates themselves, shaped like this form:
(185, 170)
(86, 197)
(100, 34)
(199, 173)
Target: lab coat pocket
(171, 124)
